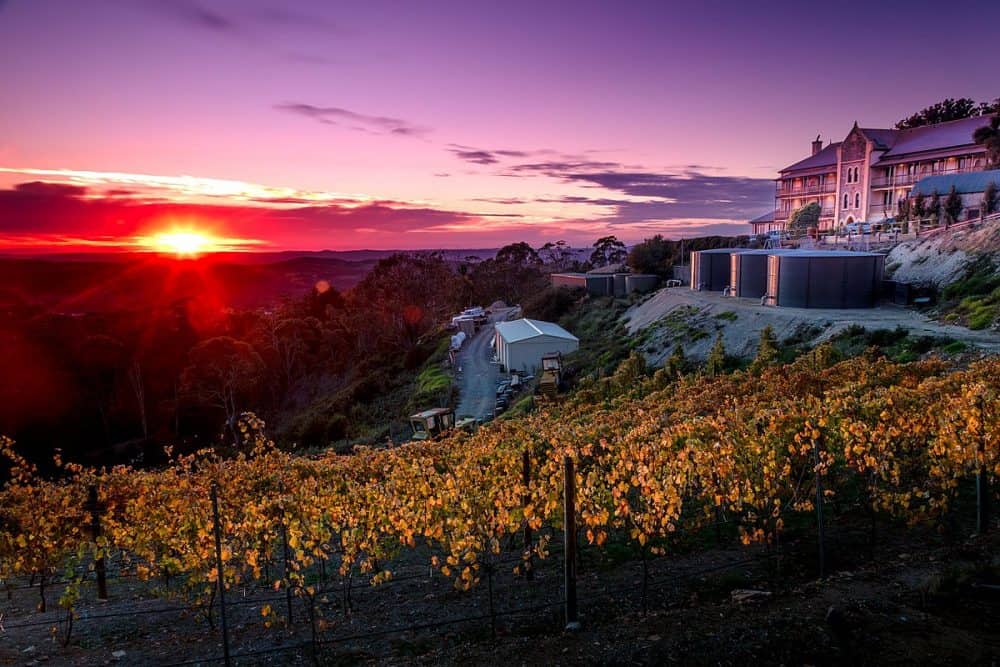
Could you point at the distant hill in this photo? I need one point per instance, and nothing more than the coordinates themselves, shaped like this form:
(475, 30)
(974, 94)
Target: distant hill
(139, 282)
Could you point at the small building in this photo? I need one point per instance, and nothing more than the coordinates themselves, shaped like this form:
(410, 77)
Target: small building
(595, 284)
(765, 223)
(824, 279)
(970, 187)
(521, 344)
(641, 282)
(710, 269)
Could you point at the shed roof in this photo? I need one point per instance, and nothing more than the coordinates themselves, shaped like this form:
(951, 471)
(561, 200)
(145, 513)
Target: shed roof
(525, 329)
(766, 217)
(970, 183)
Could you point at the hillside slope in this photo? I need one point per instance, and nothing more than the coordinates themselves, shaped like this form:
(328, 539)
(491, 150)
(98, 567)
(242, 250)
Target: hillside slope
(945, 257)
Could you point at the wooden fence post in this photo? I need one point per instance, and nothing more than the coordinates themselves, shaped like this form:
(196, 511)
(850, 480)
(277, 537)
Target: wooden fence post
(217, 529)
(819, 511)
(100, 570)
(569, 538)
(287, 567)
(525, 499)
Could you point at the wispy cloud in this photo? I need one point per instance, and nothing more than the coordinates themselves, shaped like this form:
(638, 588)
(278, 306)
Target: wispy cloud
(354, 120)
(488, 156)
(195, 14)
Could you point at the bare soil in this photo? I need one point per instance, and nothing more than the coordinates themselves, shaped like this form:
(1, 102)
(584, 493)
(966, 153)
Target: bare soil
(920, 600)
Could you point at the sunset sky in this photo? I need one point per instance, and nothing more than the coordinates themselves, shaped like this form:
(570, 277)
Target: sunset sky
(312, 124)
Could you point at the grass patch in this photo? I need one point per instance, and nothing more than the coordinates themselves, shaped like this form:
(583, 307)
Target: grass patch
(728, 315)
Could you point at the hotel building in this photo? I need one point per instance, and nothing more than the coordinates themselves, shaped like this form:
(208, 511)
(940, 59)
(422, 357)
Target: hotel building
(863, 177)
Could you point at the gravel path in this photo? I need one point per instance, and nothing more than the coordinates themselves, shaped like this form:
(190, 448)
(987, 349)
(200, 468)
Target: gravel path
(741, 320)
(478, 381)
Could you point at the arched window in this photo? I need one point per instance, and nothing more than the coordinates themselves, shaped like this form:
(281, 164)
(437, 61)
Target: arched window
(855, 174)
(857, 200)
(845, 201)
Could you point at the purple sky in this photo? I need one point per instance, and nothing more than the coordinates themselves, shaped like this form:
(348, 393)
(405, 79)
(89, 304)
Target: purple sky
(458, 124)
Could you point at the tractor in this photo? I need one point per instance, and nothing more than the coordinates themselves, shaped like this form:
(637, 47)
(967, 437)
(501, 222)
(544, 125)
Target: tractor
(551, 379)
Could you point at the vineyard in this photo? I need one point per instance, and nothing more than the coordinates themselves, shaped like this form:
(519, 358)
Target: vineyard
(657, 459)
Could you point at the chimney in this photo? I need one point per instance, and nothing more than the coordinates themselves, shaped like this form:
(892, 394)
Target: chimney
(817, 145)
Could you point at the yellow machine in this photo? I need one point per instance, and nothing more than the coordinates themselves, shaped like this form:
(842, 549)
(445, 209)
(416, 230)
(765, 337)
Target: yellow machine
(431, 423)
(548, 383)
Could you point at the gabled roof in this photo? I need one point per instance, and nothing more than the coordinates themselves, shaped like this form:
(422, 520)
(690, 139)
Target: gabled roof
(526, 329)
(892, 143)
(883, 139)
(969, 183)
(935, 137)
(767, 217)
(825, 158)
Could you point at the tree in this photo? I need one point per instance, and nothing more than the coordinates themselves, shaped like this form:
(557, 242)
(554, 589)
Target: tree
(676, 362)
(518, 254)
(555, 254)
(608, 250)
(767, 350)
(988, 136)
(945, 110)
(512, 275)
(918, 209)
(101, 362)
(223, 374)
(903, 210)
(715, 364)
(934, 207)
(803, 218)
(654, 255)
(990, 202)
(953, 206)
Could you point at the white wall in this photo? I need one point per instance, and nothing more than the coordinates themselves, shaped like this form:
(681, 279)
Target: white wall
(527, 355)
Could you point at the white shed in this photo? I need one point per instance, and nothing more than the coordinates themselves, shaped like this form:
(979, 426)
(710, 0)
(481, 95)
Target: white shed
(520, 344)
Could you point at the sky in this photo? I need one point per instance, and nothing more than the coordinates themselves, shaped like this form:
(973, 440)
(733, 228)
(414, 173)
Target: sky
(312, 125)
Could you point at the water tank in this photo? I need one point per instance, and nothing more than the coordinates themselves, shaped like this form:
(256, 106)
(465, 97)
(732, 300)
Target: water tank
(641, 282)
(748, 272)
(710, 269)
(619, 284)
(828, 279)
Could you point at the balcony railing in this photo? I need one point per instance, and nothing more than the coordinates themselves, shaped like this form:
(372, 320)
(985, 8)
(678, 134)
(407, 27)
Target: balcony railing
(784, 215)
(824, 188)
(909, 179)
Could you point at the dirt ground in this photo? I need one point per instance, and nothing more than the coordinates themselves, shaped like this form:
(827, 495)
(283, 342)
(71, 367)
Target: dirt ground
(683, 316)
(919, 600)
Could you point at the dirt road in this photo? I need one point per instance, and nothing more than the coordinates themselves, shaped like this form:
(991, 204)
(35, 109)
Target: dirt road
(478, 381)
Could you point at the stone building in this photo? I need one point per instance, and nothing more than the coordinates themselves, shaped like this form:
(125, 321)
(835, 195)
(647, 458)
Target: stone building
(863, 177)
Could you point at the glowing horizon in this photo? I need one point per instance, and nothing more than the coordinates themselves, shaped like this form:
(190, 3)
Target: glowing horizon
(455, 125)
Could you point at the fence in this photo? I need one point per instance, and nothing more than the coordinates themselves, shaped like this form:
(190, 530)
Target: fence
(565, 598)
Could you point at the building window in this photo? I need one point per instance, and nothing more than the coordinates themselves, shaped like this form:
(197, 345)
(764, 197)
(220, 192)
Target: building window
(845, 201)
(857, 200)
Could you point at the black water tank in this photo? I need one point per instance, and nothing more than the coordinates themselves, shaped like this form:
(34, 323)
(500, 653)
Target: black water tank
(710, 269)
(748, 272)
(825, 279)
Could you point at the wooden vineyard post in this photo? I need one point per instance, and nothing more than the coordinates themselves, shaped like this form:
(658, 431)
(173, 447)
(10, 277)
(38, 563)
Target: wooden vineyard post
(100, 570)
(287, 567)
(525, 499)
(819, 511)
(217, 529)
(569, 537)
(982, 481)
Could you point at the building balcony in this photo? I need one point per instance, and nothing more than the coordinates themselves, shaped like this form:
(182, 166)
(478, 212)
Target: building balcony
(825, 188)
(906, 179)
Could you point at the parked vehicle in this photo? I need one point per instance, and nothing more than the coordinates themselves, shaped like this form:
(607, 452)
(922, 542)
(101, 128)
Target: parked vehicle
(857, 228)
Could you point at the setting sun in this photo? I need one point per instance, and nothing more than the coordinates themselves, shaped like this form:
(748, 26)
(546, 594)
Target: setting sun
(190, 242)
(183, 243)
